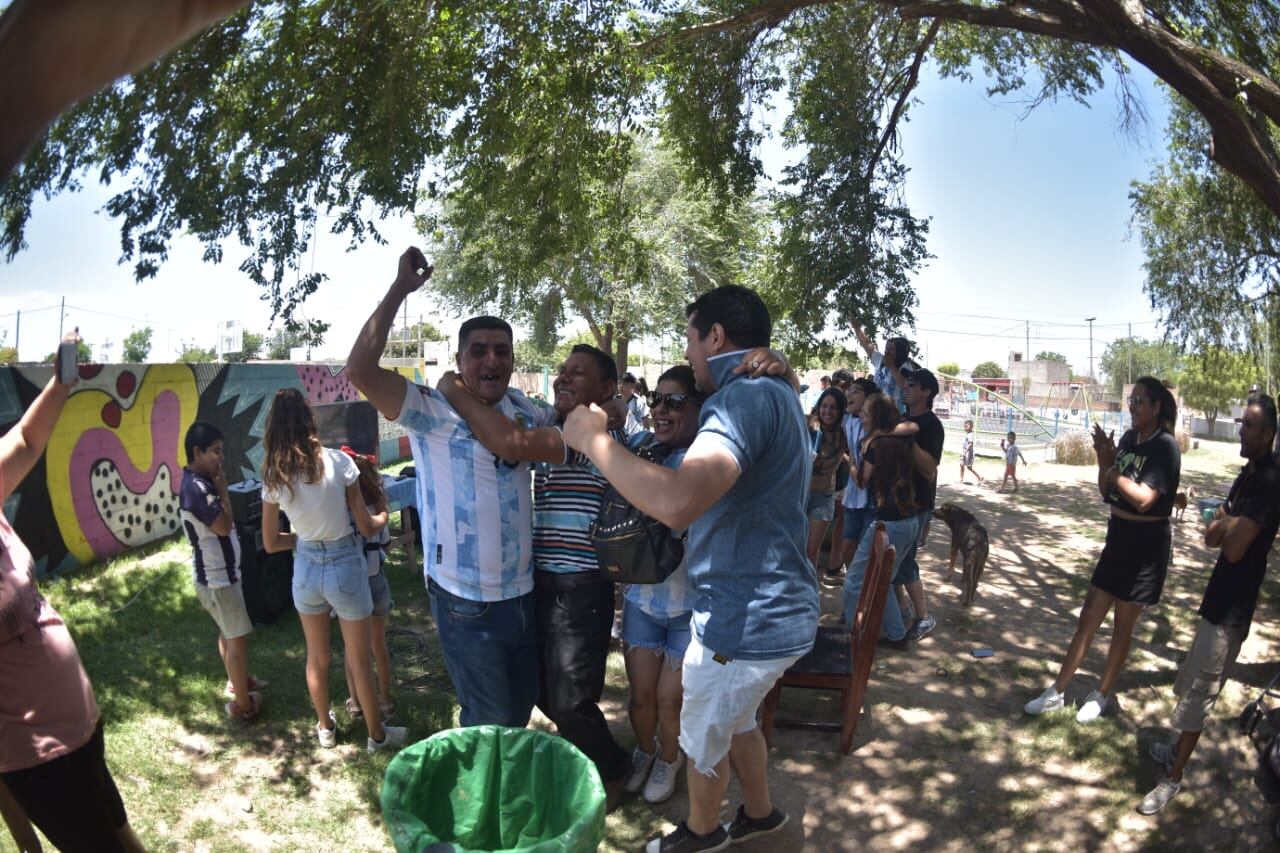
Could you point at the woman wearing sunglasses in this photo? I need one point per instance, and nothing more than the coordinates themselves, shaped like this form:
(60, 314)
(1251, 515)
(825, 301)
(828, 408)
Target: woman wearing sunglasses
(655, 617)
(1139, 478)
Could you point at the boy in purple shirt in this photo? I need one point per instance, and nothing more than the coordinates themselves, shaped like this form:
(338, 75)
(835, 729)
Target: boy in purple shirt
(206, 517)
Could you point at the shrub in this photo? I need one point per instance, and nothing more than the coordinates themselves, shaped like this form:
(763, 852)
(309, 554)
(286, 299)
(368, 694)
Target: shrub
(1074, 448)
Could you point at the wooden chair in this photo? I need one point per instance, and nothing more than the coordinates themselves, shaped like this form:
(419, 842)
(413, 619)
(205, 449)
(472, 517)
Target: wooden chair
(841, 658)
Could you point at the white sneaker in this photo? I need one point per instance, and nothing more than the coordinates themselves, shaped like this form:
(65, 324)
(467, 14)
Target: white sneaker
(328, 737)
(641, 762)
(662, 779)
(1094, 704)
(1049, 700)
(393, 737)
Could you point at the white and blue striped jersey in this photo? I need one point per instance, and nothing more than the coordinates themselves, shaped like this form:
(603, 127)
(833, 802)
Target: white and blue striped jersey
(475, 509)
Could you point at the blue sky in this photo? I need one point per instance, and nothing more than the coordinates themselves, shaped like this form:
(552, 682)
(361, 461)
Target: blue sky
(1029, 221)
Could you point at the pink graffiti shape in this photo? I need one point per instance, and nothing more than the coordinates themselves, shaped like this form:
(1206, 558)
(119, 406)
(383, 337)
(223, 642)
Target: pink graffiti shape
(97, 444)
(323, 387)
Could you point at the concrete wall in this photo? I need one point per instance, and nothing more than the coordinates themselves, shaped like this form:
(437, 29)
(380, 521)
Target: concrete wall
(109, 479)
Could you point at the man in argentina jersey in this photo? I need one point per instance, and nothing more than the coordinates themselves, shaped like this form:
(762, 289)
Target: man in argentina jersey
(575, 601)
(475, 507)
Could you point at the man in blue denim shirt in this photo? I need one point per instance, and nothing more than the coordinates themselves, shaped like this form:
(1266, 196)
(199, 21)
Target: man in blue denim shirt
(741, 493)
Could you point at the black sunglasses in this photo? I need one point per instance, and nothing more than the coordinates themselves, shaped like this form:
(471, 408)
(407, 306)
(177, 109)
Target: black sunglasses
(671, 401)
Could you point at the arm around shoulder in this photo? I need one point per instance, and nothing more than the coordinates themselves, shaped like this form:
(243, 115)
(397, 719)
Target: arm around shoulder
(499, 434)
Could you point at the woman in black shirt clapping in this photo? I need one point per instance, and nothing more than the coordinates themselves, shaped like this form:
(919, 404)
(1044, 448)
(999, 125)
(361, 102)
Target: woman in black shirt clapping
(1139, 478)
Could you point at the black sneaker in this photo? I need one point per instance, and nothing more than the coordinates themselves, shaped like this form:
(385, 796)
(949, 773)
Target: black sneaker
(897, 645)
(685, 840)
(743, 827)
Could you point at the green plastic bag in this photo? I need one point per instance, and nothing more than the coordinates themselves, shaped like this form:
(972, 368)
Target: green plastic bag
(490, 788)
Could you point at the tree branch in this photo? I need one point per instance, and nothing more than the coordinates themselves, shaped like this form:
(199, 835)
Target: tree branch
(913, 77)
(768, 14)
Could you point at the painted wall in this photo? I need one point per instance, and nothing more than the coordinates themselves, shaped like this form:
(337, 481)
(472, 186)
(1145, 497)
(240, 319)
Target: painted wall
(108, 481)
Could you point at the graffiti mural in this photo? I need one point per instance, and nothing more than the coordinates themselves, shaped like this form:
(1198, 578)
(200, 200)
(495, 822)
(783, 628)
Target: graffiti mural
(108, 480)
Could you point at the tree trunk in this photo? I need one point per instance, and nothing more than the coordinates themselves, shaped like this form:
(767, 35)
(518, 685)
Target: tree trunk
(623, 344)
(1211, 417)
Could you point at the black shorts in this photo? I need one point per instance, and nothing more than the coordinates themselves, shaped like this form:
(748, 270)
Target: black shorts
(1135, 560)
(72, 799)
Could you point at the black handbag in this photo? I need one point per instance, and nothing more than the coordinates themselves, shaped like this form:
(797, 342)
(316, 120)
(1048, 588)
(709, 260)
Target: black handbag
(632, 547)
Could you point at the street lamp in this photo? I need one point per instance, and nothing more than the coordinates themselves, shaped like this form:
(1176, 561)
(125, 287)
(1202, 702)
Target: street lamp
(1090, 320)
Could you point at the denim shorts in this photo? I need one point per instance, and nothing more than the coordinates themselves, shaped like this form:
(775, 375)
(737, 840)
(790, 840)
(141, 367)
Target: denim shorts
(857, 522)
(822, 506)
(331, 575)
(380, 590)
(669, 636)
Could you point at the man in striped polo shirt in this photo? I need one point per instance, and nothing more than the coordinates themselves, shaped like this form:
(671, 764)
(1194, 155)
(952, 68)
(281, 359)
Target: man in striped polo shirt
(575, 601)
(475, 507)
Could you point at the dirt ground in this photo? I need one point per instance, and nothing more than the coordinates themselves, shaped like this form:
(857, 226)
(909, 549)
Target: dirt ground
(944, 757)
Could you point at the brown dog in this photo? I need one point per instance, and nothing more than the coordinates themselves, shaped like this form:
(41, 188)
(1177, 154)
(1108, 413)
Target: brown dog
(968, 539)
(1180, 502)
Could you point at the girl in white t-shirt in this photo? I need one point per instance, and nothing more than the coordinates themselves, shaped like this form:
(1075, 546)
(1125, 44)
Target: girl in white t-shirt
(317, 488)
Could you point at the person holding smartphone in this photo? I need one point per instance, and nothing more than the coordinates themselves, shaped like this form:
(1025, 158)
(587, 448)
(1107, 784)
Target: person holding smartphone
(52, 752)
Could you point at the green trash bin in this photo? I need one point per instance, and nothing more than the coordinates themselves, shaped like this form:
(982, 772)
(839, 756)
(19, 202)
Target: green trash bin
(490, 788)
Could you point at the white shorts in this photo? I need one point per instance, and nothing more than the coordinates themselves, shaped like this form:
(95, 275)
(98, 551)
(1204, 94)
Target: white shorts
(721, 700)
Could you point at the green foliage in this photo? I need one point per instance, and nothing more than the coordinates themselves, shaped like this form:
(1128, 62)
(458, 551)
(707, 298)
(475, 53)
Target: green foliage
(1212, 248)
(1160, 359)
(250, 349)
(197, 355)
(1215, 379)
(530, 359)
(649, 242)
(847, 245)
(403, 343)
(950, 368)
(1049, 355)
(84, 354)
(8, 355)
(283, 340)
(988, 370)
(137, 346)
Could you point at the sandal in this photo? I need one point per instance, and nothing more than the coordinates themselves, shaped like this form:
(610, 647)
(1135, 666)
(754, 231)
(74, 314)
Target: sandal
(254, 684)
(234, 712)
(388, 709)
(353, 708)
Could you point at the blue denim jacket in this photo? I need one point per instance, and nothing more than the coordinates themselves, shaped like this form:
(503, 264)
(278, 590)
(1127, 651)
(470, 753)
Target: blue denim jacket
(755, 593)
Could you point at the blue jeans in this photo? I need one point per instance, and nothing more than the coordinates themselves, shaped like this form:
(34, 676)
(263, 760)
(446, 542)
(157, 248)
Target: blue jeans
(902, 534)
(491, 651)
(331, 576)
(910, 570)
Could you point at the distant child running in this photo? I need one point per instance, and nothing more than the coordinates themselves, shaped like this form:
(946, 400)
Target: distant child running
(1011, 456)
(206, 516)
(375, 554)
(966, 454)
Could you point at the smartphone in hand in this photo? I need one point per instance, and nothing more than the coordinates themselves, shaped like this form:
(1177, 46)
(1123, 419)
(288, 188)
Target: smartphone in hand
(68, 352)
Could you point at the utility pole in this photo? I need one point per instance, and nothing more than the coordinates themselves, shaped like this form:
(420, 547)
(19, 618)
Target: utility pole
(1090, 320)
(17, 334)
(1130, 348)
(1027, 355)
(62, 316)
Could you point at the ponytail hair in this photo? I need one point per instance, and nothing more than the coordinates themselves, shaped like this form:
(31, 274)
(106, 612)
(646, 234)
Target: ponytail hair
(1162, 396)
